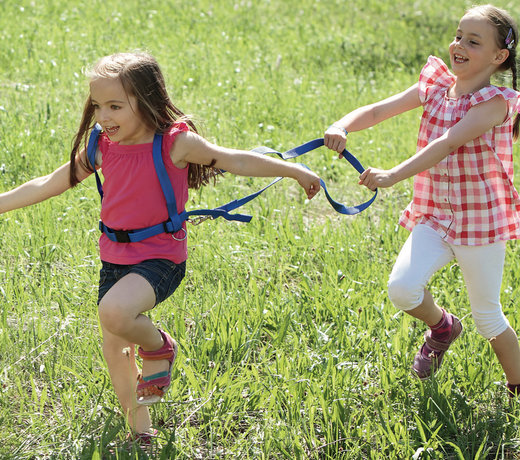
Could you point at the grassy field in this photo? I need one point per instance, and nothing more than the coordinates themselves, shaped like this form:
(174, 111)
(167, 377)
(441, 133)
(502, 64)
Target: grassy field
(289, 345)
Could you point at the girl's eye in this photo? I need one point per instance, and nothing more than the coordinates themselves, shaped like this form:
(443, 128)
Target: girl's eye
(115, 107)
(95, 106)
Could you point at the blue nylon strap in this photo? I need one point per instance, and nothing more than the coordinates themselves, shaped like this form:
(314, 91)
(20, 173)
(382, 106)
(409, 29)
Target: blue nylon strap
(314, 144)
(166, 185)
(174, 224)
(242, 201)
(178, 219)
(91, 155)
(134, 235)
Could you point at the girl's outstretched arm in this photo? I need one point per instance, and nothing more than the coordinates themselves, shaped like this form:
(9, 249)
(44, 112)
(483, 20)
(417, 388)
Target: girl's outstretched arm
(477, 121)
(40, 188)
(370, 115)
(192, 148)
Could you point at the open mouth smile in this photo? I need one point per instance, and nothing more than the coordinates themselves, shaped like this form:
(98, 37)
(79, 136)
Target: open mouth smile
(459, 59)
(111, 130)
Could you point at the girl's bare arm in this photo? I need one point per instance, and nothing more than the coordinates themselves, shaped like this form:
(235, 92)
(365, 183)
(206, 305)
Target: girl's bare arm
(41, 188)
(192, 148)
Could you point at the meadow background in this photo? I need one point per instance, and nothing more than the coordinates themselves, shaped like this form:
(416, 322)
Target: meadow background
(289, 345)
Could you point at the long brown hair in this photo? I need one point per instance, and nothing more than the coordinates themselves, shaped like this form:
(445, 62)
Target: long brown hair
(141, 77)
(506, 37)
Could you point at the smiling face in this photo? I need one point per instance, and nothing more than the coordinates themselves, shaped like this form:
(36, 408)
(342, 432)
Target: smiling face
(117, 112)
(474, 53)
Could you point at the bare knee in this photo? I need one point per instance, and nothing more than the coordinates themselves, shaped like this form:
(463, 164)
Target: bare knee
(113, 316)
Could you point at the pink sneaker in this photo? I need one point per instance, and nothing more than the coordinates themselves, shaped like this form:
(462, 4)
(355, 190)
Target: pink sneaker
(426, 364)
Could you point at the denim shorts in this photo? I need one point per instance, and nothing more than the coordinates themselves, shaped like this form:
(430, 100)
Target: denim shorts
(163, 275)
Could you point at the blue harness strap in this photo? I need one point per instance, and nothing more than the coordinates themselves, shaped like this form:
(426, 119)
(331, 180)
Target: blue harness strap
(91, 155)
(175, 219)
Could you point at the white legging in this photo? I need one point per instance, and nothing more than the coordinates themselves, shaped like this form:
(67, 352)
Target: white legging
(425, 252)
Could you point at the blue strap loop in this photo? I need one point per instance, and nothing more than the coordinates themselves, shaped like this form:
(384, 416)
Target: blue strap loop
(312, 145)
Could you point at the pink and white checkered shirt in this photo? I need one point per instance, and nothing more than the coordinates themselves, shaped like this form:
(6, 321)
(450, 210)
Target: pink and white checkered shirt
(468, 197)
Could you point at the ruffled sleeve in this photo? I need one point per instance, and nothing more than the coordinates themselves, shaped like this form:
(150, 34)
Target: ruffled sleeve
(434, 76)
(169, 137)
(512, 97)
(103, 142)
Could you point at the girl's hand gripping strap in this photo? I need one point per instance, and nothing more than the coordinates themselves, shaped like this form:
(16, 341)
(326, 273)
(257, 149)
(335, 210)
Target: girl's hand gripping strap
(314, 144)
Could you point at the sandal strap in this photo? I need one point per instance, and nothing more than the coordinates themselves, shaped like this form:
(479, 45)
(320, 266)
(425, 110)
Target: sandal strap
(157, 384)
(167, 351)
(435, 344)
(159, 375)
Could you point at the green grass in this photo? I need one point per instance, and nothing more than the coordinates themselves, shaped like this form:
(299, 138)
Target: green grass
(289, 345)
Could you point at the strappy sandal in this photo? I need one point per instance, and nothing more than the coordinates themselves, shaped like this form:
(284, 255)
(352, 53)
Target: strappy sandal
(158, 383)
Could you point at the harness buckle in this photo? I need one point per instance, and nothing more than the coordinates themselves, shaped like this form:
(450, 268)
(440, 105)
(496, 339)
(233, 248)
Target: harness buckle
(122, 236)
(199, 220)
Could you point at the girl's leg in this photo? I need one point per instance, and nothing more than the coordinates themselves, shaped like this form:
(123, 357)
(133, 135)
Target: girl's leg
(123, 324)
(123, 373)
(482, 267)
(507, 350)
(423, 253)
(428, 311)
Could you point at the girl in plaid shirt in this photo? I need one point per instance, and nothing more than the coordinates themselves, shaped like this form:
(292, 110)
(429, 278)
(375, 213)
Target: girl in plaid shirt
(464, 204)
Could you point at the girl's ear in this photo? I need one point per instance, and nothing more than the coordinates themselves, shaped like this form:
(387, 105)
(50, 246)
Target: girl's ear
(501, 56)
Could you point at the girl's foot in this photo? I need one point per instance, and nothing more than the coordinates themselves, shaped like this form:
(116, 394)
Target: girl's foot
(157, 368)
(429, 357)
(143, 439)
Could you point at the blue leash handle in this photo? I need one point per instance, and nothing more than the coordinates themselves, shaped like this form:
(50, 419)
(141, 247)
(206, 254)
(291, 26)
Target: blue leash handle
(312, 145)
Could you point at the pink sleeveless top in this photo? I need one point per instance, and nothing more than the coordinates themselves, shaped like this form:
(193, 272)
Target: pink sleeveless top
(133, 199)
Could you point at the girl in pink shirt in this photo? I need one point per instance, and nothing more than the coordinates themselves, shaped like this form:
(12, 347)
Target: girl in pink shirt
(128, 99)
(464, 205)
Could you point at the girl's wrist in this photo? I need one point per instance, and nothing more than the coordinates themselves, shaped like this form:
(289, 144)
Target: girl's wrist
(338, 126)
(395, 175)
